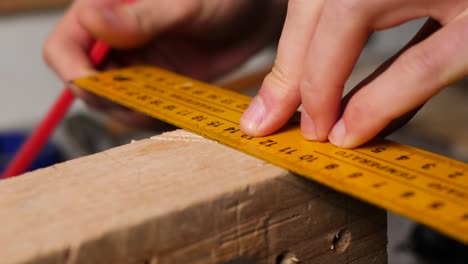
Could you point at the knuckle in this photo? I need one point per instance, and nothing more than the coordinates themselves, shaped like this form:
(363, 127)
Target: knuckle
(352, 6)
(419, 62)
(360, 112)
(279, 77)
(280, 73)
(297, 3)
(311, 91)
(149, 17)
(279, 82)
(143, 20)
(187, 8)
(308, 86)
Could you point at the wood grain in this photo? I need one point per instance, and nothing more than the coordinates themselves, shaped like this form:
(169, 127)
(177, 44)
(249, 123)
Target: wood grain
(13, 6)
(178, 198)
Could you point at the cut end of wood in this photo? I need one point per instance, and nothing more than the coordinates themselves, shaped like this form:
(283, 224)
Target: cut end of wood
(180, 136)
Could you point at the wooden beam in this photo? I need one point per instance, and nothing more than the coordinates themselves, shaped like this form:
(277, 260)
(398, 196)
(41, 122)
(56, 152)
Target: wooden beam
(179, 198)
(12, 6)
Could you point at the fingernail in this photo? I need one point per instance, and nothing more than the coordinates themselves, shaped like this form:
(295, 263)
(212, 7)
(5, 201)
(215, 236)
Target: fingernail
(254, 116)
(308, 129)
(338, 134)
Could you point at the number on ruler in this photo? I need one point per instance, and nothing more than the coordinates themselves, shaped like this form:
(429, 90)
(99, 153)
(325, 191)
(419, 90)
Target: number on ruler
(227, 101)
(231, 130)
(184, 113)
(455, 175)
(215, 124)
(199, 118)
(331, 166)
(186, 87)
(407, 194)
(170, 107)
(308, 158)
(247, 137)
(157, 102)
(121, 78)
(355, 175)
(288, 150)
(268, 143)
(379, 184)
(436, 205)
(242, 106)
(379, 150)
(198, 92)
(428, 166)
(132, 93)
(465, 217)
(403, 157)
(143, 97)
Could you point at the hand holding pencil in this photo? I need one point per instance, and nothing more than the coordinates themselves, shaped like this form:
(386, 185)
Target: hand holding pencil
(185, 36)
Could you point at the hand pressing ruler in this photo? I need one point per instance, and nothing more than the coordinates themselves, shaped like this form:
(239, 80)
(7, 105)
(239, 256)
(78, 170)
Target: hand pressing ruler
(426, 187)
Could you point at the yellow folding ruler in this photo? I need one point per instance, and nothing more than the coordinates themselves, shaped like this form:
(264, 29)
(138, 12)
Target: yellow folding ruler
(428, 188)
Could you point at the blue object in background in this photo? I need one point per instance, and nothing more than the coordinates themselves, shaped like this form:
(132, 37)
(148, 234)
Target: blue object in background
(11, 141)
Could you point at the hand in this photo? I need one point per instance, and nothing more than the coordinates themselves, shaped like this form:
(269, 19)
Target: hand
(319, 46)
(199, 38)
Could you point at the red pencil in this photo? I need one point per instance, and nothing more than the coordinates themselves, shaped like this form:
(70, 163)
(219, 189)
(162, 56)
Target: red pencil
(29, 150)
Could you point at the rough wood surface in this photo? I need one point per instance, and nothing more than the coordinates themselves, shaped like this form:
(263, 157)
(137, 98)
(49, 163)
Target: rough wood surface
(11, 6)
(178, 198)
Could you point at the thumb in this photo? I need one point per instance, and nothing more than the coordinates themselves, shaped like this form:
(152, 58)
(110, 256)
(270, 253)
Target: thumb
(132, 24)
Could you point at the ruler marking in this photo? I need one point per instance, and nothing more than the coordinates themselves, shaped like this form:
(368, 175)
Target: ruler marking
(177, 101)
(415, 170)
(125, 100)
(213, 101)
(424, 190)
(395, 204)
(207, 101)
(429, 155)
(170, 96)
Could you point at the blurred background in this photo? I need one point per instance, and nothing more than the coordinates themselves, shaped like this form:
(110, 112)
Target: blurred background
(28, 88)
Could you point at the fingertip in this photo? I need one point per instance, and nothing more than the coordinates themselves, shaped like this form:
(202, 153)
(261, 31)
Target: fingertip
(360, 122)
(266, 115)
(67, 58)
(341, 137)
(277, 100)
(308, 128)
(251, 120)
(338, 134)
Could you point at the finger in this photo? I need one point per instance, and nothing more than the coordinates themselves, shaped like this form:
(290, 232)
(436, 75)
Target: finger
(418, 74)
(133, 24)
(342, 32)
(65, 49)
(327, 67)
(429, 27)
(426, 30)
(278, 97)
